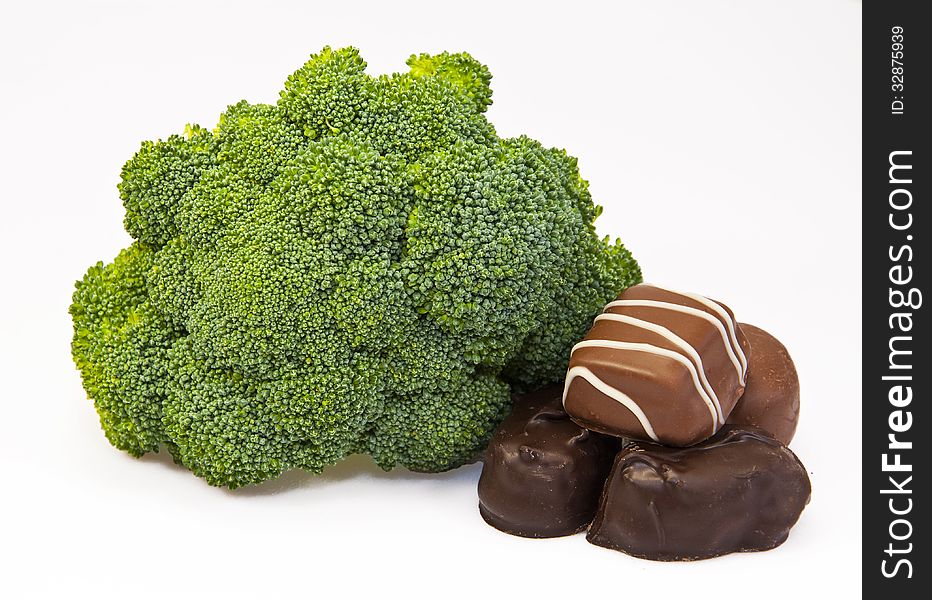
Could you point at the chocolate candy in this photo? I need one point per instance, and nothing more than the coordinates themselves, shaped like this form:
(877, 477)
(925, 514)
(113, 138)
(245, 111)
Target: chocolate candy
(658, 366)
(771, 396)
(739, 491)
(543, 473)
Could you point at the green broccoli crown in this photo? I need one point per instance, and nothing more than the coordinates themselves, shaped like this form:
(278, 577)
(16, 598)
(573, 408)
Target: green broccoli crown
(364, 266)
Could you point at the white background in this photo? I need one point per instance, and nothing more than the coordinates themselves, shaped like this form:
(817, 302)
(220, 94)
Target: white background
(723, 139)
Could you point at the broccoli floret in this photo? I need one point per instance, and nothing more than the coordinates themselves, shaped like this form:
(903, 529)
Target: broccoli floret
(257, 140)
(121, 344)
(461, 70)
(154, 181)
(363, 267)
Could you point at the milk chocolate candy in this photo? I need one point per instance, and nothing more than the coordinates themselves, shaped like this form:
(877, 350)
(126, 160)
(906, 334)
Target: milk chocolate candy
(739, 491)
(658, 366)
(771, 396)
(543, 473)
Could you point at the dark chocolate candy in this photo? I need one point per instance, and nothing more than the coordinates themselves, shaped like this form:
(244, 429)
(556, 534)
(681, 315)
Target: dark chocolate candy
(736, 492)
(658, 366)
(771, 396)
(543, 473)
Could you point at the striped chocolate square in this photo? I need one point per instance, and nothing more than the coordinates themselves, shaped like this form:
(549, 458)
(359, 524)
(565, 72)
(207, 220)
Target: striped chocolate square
(658, 366)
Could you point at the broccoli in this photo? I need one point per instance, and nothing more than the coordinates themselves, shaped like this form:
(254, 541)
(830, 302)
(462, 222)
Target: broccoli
(363, 267)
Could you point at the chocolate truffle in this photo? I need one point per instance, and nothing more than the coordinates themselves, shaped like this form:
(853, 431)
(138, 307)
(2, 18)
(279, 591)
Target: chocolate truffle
(543, 473)
(771, 395)
(739, 491)
(658, 366)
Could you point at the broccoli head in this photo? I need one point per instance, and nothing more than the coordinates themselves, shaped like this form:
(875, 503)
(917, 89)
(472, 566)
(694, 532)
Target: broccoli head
(364, 266)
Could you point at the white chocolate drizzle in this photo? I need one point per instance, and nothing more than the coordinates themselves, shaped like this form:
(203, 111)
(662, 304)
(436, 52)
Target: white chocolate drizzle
(658, 351)
(717, 323)
(698, 371)
(729, 322)
(612, 393)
